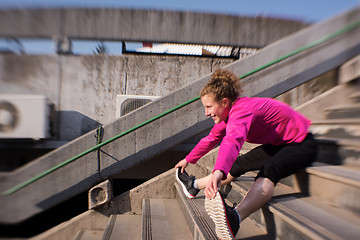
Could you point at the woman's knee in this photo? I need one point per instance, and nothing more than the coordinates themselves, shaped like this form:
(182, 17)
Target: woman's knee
(266, 186)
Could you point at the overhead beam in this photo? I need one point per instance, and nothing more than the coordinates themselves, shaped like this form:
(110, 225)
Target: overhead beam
(145, 25)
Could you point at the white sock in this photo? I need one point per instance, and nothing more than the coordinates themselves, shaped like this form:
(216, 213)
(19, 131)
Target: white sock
(195, 184)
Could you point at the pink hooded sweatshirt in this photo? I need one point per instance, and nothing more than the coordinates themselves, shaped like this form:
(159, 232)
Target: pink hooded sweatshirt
(255, 120)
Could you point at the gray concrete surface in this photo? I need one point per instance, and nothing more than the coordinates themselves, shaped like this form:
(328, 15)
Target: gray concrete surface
(176, 127)
(145, 25)
(83, 89)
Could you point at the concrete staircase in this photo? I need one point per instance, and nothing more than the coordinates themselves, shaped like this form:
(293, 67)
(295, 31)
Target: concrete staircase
(289, 215)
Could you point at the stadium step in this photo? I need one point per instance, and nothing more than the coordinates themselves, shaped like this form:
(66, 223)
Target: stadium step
(123, 226)
(163, 219)
(89, 235)
(337, 128)
(355, 97)
(339, 151)
(303, 218)
(344, 111)
(120, 226)
(335, 185)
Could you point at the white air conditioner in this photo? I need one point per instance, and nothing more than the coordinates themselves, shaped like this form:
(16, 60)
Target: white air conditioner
(128, 103)
(24, 116)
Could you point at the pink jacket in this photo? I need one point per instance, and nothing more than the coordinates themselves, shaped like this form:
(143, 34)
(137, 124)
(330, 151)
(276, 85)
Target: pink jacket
(255, 120)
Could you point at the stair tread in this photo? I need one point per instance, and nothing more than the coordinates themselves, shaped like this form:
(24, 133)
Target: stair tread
(249, 230)
(336, 128)
(89, 235)
(335, 211)
(314, 218)
(354, 95)
(352, 106)
(167, 220)
(123, 226)
(342, 141)
(343, 174)
(339, 121)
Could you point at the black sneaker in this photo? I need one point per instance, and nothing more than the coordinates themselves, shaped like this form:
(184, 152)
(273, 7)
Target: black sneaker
(226, 219)
(187, 183)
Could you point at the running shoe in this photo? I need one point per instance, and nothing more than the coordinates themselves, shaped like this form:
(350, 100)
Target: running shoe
(226, 219)
(187, 183)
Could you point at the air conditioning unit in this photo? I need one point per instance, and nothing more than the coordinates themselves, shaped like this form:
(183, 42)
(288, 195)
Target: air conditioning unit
(24, 117)
(128, 103)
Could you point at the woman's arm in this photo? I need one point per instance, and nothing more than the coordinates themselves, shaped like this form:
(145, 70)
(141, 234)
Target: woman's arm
(207, 143)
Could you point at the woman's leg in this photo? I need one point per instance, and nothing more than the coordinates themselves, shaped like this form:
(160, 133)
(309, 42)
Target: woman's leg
(202, 182)
(285, 161)
(252, 160)
(258, 195)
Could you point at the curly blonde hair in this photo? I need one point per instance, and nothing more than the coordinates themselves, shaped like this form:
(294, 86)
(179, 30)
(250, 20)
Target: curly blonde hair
(223, 84)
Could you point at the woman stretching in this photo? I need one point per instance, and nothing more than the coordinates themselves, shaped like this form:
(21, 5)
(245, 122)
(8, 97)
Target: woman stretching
(287, 146)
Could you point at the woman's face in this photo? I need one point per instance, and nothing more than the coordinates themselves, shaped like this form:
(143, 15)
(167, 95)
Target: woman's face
(218, 111)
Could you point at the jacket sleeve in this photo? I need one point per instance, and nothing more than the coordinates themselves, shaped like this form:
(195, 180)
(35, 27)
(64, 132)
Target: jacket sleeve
(236, 131)
(207, 143)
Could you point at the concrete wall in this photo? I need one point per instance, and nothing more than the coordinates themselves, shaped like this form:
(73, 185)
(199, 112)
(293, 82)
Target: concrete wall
(311, 89)
(84, 88)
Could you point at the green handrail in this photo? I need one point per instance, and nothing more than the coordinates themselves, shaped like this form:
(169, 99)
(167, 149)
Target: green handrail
(99, 145)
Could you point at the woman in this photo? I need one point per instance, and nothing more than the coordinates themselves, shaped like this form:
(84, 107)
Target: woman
(287, 146)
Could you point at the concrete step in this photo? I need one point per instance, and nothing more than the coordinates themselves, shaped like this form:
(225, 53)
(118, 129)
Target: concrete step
(201, 225)
(337, 128)
(293, 215)
(345, 111)
(300, 218)
(89, 235)
(123, 226)
(336, 185)
(339, 151)
(163, 219)
(355, 97)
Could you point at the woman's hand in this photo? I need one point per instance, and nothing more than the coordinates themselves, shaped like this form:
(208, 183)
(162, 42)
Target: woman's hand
(213, 184)
(182, 164)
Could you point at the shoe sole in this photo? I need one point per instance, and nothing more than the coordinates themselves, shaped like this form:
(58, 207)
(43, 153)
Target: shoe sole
(187, 194)
(216, 210)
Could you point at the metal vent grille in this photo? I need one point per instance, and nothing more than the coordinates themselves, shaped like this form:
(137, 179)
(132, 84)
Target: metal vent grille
(128, 103)
(132, 104)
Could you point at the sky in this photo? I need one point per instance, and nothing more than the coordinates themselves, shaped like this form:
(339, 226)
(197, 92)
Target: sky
(309, 11)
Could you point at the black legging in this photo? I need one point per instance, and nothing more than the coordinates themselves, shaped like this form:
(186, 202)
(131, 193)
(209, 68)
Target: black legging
(277, 162)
